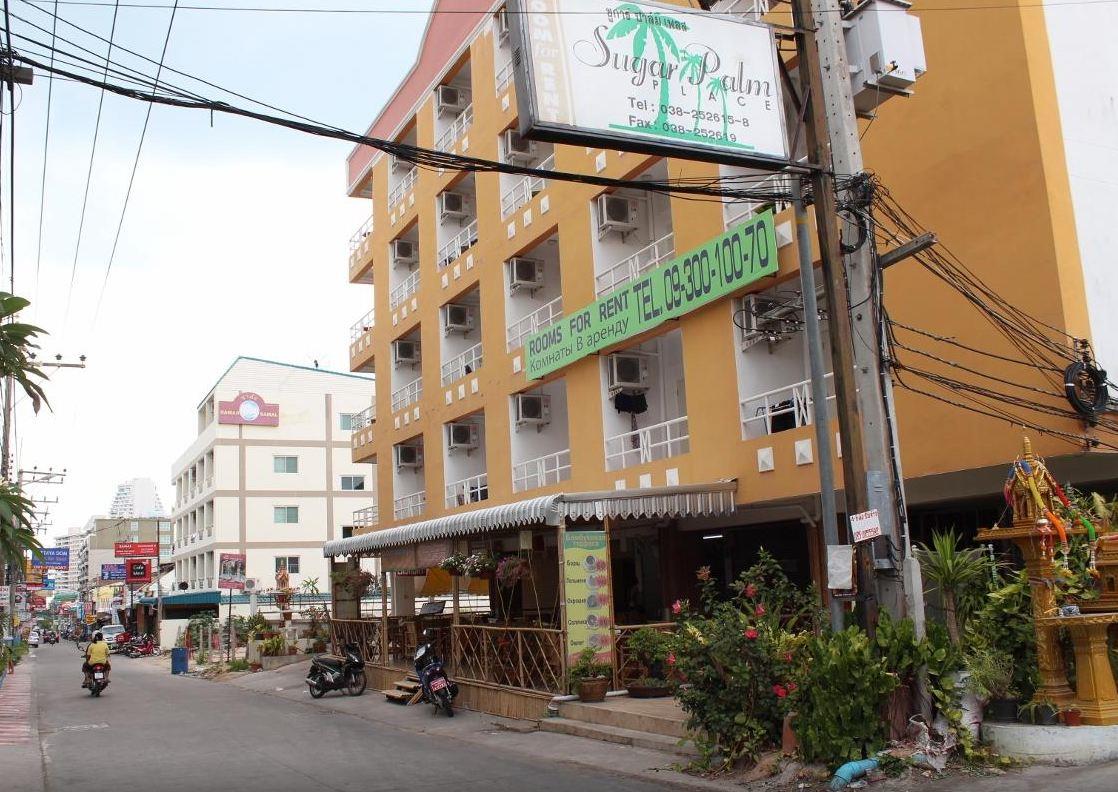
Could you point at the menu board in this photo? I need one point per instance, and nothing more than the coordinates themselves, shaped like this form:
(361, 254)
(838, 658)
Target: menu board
(586, 578)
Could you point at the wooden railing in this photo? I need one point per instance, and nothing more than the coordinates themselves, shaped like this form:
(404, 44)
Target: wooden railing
(628, 669)
(364, 633)
(529, 658)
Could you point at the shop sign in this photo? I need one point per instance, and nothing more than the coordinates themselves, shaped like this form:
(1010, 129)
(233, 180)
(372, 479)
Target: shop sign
(249, 409)
(53, 558)
(231, 571)
(865, 526)
(586, 589)
(112, 572)
(5, 594)
(722, 265)
(136, 549)
(137, 571)
(648, 77)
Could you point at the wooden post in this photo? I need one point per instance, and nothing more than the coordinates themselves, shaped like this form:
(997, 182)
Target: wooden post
(384, 618)
(607, 527)
(520, 657)
(563, 648)
(455, 586)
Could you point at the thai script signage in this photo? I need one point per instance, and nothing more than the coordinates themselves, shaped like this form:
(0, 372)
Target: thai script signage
(136, 549)
(586, 589)
(249, 409)
(722, 265)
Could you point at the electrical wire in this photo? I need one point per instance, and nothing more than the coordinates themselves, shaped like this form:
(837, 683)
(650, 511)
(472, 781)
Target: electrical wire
(46, 151)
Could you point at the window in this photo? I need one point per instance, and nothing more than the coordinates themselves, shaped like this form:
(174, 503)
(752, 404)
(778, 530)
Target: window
(285, 464)
(290, 563)
(347, 531)
(285, 514)
(353, 482)
(345, 421)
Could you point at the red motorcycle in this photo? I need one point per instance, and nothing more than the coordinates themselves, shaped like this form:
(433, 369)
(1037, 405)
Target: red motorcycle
(97, 681)
(121, 643)
(142, 647)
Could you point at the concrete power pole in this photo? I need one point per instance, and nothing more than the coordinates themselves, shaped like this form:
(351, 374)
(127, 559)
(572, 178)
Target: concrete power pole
(851, 285)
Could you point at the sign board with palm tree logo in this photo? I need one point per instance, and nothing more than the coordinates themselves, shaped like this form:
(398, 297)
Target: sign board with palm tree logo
(649, 77)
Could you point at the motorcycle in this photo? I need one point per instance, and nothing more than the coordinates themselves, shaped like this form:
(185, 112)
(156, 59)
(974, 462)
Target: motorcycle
(97, 681)
(436, 686)
(120, 643)
(142, 647)
(51, 638)
(333, 673)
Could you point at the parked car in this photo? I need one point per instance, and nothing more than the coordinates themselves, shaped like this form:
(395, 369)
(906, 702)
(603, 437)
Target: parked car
(33, 639)
(110, 631)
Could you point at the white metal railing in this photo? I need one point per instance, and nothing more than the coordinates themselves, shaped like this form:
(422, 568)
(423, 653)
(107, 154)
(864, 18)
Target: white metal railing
(363, 518)
(542, 317)
(409, 505)
(504, 77)
(635, 265)
(407, 287)
(458, 244)
(781, 409)
(460, 365)
(358, 238)
(735, 211)
(363, 418)
(406, 395)
(469, 490)
(403, 187)
(659, 441)
(362, 326)
(525, 189)
(542, 471)
(456, 129)
(752, 9)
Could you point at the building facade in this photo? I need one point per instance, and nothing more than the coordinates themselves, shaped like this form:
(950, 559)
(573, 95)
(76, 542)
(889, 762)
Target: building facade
(74, 541)
(100, 569)
(137, 498)
(269, 474)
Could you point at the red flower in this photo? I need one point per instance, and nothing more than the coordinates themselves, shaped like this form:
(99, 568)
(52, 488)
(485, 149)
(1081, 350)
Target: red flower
(751, 591)
(677, 607)
(780, 691)
(791, 686)
(671, 658)
(787, 657)
(759, 610)
(751, 634)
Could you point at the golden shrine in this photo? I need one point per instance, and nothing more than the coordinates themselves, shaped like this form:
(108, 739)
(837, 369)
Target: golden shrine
(1036, 528)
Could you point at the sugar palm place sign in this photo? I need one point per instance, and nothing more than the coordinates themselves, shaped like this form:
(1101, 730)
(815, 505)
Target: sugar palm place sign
(650, 77)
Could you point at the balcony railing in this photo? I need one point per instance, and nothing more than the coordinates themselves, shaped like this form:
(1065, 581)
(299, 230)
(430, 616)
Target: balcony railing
(736, 211)
(751, 9)
(542, 317)
(458, 244)
(358, 238)
(457, 129)
(460, 365)
(504, 77)
(409, 505)
(364, 518)
(362, 326)
(468, 490)
(406, 395)
(407, 287)
(403, 187)
(526, 189)
(635, 265)
(659, 441)
(542, 471)
(781, 409)
(364, 418)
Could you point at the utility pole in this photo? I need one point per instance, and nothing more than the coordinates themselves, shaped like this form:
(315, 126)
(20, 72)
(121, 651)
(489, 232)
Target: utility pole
(850, 280)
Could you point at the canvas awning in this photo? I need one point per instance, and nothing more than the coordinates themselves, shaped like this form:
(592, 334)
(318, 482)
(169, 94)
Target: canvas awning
(684, 500)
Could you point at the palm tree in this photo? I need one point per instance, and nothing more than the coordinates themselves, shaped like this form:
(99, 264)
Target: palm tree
(717, 88)
(639, 27)
(17, 342)
(693, 70)
(17, 535)
(952, 570)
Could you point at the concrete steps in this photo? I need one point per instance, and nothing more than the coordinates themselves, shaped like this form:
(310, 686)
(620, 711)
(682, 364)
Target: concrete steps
(655, 716)
(618, 735)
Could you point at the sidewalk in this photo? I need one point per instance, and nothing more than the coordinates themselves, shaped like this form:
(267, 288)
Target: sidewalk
(20, 756)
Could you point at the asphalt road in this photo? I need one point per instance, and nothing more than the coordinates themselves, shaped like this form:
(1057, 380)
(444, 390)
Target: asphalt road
(160, 733)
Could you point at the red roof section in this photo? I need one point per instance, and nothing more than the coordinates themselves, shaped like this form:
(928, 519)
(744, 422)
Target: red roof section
(445, 33)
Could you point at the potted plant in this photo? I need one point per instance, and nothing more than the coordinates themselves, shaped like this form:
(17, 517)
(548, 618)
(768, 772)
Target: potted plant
(991, 680)
(454, 564)
(651, 648)
(355, 582)
(1040, 711)
(1072, 717)
(590, 677)
(273, 646)
(479, 565)
(511, 569)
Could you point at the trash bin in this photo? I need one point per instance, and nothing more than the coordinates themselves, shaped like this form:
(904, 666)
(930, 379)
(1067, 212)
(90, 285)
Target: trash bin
(178, 660)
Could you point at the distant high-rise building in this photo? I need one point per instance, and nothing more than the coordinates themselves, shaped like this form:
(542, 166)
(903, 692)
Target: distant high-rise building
(74, 541)
(137, 499)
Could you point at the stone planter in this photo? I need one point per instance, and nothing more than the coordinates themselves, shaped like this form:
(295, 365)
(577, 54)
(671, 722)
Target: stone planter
(272, 663)
(593, 690)
(1003, 710)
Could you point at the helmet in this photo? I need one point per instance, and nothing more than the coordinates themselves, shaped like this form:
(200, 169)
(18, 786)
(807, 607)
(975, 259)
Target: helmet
(98, 637)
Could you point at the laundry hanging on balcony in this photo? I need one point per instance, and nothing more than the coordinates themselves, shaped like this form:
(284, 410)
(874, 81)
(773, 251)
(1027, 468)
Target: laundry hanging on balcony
(634, 403)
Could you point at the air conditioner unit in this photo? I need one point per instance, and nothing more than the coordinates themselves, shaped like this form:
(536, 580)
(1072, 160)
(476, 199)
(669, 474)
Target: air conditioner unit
(627, 373)
(251, 584)
(532, 409)
(451, 100)
(525, 273)
(457, 318)
(502, 25)
(408, 456)
(452, 205)
(517, 149)
(616, 213)
(405, 353)
(462, 436)
(768, 318)
(404, 252)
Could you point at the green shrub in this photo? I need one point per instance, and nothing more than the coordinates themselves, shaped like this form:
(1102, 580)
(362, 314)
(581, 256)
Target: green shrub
(1005, 624)
(237, 665)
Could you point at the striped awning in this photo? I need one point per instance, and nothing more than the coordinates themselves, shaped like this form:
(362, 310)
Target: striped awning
(685, 500)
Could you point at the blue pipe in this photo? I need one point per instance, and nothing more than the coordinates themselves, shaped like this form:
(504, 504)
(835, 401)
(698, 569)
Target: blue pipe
(851, 770)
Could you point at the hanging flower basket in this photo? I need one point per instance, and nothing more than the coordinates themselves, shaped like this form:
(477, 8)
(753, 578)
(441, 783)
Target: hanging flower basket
(479, 565)
(455, 564)
(511, 569)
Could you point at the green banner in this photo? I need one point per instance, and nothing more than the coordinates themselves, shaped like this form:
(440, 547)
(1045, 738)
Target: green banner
(716, 268)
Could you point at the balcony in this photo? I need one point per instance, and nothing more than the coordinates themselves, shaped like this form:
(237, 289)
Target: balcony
(659, 441)
(398, 193)
(542, 471)
(409, 394)
(457, 245)
(367, 517)
(408, 506)
(504, 78)
(407, 287)
(460, 365)
(360, 254)
(544, 316)
(361, 343)
(362, 326)
(361, 432)
(781, 409)
(526, 189)
(468, 490)
(750, 9)
(634, 266)
(456, 130)
(735, 212)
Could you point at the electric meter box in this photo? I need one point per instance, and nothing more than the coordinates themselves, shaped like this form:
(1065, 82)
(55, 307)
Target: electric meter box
(885, 52)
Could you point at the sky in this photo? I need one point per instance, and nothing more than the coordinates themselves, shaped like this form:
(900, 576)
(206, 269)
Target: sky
(235, 238)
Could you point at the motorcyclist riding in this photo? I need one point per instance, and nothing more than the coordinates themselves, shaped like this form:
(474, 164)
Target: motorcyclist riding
(96, 652)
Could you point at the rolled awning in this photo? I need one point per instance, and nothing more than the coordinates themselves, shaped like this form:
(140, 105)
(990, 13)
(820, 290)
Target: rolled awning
(685, 500)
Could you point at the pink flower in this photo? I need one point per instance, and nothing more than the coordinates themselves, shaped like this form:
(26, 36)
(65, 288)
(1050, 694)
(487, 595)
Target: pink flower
(751, 591)
(751, 634)
(677, 607)
(791, 686)
(759, 610)
(787, 657)
(703, 573)
(780, 691)
(671, 658)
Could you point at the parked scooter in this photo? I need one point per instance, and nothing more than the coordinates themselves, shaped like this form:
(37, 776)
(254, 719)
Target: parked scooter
(437, 687)
(143, 646)
(97, 681)
(337, 673)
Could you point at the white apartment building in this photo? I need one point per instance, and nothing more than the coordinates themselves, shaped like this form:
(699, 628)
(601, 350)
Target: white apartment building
(137, 498)
(70, 579)
(269, 474)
